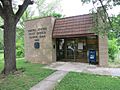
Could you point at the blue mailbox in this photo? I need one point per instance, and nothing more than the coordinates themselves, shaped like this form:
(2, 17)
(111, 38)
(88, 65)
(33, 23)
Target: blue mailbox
(92, 56)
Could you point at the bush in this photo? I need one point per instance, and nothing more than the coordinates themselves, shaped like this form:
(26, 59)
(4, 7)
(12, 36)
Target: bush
(112, 49)
(19, 48)
(20, 52)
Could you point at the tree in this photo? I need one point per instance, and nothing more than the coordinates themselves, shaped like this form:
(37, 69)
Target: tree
(46, 9)
(116, 26)
(114, 37)
(108, 2)
(105, 4)
(11, 19)
(111, 27)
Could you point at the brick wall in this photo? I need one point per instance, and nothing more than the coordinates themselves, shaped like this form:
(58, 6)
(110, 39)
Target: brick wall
(103, 50)
(102, 40)
(40, 31)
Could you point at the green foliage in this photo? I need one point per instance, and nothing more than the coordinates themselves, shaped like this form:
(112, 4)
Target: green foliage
(28, 75)
(56, 15)
(100, 27)
(108, 2)
(112, 49)
(116, 26)
(20, 48)
(20, 43)
(86, 1)
(82, 81)
(45, 9)
(114, 37)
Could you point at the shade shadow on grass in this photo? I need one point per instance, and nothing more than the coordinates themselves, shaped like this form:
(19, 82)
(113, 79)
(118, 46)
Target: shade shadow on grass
(28, 74)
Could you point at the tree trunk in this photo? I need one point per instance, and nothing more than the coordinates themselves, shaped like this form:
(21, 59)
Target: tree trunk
(11, 18)
(9, 45)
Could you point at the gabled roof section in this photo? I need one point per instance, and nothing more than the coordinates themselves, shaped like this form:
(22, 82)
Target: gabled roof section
(73, 26)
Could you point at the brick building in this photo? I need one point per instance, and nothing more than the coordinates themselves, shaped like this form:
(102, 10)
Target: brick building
(49, 40)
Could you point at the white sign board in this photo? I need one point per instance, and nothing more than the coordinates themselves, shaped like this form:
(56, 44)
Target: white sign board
(80, 45)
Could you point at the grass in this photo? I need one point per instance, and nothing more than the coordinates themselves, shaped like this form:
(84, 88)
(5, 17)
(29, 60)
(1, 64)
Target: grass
(33, 73)
(81, 81)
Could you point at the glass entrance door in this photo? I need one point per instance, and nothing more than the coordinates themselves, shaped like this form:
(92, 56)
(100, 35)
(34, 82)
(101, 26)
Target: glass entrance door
(66, 49)
(72, 49)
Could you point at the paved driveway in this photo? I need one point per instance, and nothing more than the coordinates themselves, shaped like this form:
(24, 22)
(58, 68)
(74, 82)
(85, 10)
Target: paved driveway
(83, 67)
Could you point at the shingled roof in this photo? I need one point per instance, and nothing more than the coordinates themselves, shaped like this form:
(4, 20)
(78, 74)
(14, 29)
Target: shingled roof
(73, 26)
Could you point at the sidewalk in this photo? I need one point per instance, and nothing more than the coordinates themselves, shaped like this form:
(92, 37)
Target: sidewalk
(50, 82)
(63, 68)
(83, 67)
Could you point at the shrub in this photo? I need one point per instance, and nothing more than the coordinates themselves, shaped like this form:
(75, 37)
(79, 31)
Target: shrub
(19, 48)
(112, 49)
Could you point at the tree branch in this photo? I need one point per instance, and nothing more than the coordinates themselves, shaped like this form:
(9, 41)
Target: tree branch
(1, 11)
(22, 8)
(106, 13)
(1, 1)
(98, 12)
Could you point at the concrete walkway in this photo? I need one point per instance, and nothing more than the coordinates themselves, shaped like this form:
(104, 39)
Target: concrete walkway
(50, 82)
(83, 67)
(63, 68)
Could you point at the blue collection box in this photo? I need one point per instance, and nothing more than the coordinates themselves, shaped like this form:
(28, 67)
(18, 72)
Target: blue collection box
(92, 56)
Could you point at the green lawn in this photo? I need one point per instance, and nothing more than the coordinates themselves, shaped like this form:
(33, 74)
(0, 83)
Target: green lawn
(81, 81)
(33, 73)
